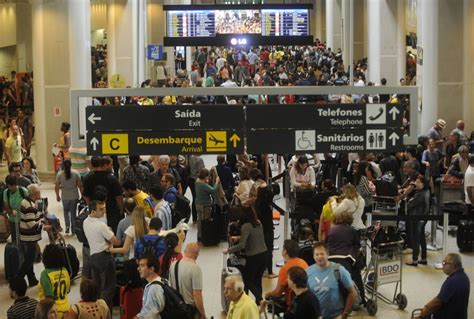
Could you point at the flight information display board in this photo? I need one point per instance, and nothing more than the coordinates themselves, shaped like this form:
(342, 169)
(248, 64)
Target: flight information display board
(276, 22)
(264, 22)
(191, 23)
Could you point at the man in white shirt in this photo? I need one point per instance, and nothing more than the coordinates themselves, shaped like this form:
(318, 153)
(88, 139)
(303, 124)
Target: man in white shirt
(189, 279)
(469, 183)
(153, 295)
(100, 237)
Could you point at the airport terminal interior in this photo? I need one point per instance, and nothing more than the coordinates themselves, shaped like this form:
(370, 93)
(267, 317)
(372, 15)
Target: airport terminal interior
(344, 122)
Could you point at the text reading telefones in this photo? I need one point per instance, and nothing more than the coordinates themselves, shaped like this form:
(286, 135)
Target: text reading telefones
(338, 112)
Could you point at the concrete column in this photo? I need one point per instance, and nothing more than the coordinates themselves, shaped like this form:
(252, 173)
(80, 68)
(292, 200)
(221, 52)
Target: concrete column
(126, 32)
(450, 62)
(334, 24)
(24, 50)
(386, 42)
(61, 61)
(346, 30)
(427, 74)
(360, 29)
(318, 22)
(468, 17)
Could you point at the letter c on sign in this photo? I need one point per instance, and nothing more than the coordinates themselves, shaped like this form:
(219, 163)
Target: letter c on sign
(114, 146)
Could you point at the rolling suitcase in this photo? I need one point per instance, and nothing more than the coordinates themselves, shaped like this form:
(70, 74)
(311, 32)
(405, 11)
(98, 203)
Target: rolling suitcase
(13, 256)
(226, 272)
(465, 236)
(210, 233)
(130, 302)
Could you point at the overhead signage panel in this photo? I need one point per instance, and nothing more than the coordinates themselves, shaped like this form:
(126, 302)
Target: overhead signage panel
(324, 141)
(324, 116)
(166, 142)
(161, 118)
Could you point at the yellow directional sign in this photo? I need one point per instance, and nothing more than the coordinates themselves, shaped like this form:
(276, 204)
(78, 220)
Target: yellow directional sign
(216, 141)
(115, 143)
(117, 81)
(234, 139)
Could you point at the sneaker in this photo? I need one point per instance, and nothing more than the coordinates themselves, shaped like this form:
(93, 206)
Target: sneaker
(32, 283)
(423, 262)
(413, 263)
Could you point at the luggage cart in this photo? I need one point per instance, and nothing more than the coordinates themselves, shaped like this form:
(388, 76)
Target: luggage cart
(385, 267)
(384, 205)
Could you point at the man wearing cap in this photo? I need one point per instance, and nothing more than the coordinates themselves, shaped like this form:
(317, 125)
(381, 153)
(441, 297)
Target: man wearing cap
(435, 133)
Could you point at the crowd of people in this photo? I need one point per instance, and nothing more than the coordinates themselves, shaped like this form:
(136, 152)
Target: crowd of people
(123, 208)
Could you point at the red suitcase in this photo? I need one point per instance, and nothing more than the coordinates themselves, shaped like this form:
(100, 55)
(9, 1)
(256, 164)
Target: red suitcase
(130, 302)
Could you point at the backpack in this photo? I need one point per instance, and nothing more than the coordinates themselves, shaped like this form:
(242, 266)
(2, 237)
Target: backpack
(327, 216)
(79, 229)
(147, 247)
(344, 292)
(180, 209)
(175, 307)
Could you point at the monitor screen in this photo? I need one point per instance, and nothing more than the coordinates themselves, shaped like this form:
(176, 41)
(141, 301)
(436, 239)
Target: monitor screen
(277, 22)
(191, 23)
(238, 22)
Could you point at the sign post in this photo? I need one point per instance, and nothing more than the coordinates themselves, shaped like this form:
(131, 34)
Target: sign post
(231, 129)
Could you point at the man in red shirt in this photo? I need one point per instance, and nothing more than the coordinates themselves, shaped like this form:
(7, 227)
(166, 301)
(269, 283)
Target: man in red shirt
(290, 255)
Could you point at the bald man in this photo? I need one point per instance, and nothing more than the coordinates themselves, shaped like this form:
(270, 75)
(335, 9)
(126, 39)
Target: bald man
(460, 131)
(188, 280)
(453, 299)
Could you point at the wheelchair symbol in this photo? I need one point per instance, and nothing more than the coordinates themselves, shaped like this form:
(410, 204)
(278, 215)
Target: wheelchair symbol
(305, 140)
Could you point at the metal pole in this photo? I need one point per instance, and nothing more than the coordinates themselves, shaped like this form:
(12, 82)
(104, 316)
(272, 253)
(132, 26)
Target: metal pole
(434, 226)
(286, 218)
(445, 241)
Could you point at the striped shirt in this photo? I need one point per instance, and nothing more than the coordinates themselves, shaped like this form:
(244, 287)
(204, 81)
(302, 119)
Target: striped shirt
(23, 307)
(78, 157)
(30, 221)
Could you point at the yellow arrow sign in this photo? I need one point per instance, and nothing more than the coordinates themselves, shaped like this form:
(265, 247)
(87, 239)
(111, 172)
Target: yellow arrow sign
(234, 139)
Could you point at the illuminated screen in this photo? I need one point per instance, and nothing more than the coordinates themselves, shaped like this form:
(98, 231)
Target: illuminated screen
(238, 22)
(192, 23)
(264, 22)
(277, 22)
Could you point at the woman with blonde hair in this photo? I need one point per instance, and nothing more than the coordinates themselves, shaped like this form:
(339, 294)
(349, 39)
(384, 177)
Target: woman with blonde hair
(350, 202)
(134, 232)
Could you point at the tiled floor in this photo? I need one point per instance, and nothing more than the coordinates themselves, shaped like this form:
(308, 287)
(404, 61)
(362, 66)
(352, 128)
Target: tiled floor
(419, 284)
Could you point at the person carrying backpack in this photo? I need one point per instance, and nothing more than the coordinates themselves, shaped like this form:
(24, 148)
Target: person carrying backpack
(12, 198)
(326, 286)
(159, 299)
(151, 243)
(153, 295)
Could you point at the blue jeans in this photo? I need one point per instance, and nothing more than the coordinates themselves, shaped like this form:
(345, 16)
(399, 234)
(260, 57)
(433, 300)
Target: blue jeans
(70, 208)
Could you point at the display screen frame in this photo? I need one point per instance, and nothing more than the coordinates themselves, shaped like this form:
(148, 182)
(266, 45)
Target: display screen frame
(240, 38)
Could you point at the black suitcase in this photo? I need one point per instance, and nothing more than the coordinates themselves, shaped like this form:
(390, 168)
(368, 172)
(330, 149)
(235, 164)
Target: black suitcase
(210, 234)
(465, 236)
(386, 185)
(71, 262)
(456, 210)
(13, 255)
